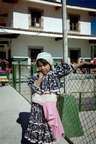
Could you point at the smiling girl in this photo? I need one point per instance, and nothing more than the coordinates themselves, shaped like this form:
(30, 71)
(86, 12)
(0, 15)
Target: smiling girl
(45, 126)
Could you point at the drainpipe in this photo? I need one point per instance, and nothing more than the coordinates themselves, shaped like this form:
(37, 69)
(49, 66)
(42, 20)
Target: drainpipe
(64, 31)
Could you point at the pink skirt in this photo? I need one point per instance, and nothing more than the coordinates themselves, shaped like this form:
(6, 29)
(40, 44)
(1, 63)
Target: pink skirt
(48, 101)
(53, 119)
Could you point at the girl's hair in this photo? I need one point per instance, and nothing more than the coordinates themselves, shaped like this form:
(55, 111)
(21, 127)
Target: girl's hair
(44, 62)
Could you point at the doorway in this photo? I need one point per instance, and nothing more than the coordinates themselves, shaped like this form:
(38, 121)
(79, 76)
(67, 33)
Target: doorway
(33, 52)
(74, 55)
(2, 52)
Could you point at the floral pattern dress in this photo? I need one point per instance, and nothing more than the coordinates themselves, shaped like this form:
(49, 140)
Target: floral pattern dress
(38, 131)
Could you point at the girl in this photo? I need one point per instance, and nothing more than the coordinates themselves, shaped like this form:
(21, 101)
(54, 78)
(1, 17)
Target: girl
(45, 126)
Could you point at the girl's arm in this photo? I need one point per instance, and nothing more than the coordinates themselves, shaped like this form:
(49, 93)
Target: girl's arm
(32, 84)
(76, 66)
(63, 69)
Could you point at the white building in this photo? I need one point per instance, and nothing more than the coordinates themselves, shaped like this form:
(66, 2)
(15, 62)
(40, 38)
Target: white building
(30, 26)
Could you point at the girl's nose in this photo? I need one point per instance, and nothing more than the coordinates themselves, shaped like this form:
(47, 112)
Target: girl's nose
(42, 67)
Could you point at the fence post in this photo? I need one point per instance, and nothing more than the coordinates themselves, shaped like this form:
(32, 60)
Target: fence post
(33, 69)
(19, 68)
(80, 100)
(94, 90)
(14, 75)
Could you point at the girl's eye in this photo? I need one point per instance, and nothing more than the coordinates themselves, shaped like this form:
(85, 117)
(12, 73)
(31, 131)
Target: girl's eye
(39, 66)
(44, 65)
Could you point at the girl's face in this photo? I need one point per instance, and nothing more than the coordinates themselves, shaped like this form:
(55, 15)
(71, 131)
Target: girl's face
(43, 68)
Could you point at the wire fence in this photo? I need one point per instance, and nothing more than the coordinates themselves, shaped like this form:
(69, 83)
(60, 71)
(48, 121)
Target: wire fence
(76, 104)
(78, 109)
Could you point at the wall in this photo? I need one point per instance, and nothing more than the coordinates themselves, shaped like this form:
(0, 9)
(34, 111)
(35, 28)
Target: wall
(21, 44)
(52, 24)
(80, 44)
(85, 23)
(85, 28)
(52, 21)
(20, 20)
(51, 17)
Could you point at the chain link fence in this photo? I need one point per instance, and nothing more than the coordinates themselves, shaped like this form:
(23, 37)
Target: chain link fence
(79, 108)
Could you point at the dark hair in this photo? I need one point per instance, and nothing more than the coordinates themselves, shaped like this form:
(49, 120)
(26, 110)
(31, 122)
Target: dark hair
(44, 62)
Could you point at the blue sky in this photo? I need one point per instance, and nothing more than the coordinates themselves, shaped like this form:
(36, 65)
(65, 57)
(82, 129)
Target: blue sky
(85, 3)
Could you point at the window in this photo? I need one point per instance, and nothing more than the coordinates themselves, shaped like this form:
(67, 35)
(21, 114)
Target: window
(74, 55)
(35, 18)
(74, 22)
(93, 51)
(33, 52)
(2, 52)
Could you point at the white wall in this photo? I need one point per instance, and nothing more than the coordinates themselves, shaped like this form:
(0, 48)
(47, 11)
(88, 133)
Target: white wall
(52, 24)
(51, 17)
(80, 44)
(20, 20)
(21, 44)
(85, 27)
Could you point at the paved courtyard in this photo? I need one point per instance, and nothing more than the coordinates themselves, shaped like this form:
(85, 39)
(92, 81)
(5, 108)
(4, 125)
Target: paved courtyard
(12, 104)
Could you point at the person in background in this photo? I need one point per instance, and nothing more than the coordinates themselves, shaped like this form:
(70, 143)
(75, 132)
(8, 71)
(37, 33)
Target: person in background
(45, 126)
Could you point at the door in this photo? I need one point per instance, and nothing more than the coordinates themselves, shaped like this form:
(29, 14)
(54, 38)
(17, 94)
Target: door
(33, 52)
(74, 55)
(2, 52)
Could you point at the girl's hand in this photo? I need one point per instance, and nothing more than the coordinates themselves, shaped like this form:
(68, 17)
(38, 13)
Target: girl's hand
(81, 64)
(40, 77)
(85, 63)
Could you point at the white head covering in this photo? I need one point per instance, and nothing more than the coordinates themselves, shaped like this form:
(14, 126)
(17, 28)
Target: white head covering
(46, 56)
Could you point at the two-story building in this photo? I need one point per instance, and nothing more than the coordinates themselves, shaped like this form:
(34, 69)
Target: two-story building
(28, 27)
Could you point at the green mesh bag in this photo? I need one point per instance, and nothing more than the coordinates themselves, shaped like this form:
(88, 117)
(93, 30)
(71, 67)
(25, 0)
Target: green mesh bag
(69, 113)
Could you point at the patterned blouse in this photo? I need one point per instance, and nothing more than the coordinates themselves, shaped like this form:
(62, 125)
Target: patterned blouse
(50, 82)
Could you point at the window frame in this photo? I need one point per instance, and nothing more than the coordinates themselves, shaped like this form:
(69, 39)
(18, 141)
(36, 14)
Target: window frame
(37, 20)
(74, 24)
(36, 50)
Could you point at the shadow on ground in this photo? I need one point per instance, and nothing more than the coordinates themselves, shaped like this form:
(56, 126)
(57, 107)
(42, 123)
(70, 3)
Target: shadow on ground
(23, 121)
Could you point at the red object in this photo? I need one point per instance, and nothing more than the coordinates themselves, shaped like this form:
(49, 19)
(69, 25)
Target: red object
(5, 71)
(3, 79)
(2, 71)
(93, 61)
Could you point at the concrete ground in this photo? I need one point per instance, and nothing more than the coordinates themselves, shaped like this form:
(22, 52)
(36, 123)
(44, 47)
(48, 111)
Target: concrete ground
(12, 105)
(14, 113)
